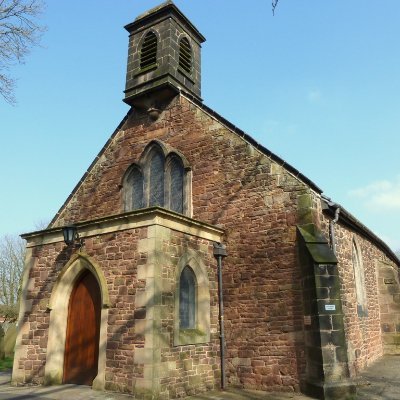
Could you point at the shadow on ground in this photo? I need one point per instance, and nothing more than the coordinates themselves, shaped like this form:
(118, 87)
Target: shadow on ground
(380, 381)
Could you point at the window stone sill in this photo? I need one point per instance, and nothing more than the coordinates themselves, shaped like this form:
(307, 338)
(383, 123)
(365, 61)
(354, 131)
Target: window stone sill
(191, 336)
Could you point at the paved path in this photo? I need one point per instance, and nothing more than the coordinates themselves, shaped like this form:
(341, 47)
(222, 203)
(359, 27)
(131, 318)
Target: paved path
(381, 381)
(62, 392)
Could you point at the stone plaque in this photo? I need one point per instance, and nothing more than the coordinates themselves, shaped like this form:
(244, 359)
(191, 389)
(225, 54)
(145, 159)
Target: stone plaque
(389, 281)
(330, 307)
(307, 320)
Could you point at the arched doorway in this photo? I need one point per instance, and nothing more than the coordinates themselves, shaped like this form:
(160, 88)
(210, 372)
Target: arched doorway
(83, 331)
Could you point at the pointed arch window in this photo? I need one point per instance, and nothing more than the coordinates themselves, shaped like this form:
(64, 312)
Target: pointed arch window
(187, 299)
(134, 189)
(185, 55)
(148, 52)
(176, 173)
(192, 300)
(359, 281)
(159, 179)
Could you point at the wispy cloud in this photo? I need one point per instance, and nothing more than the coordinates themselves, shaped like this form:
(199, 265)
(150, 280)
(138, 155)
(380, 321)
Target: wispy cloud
(277, 127)
(393, 243)
(314, 96)
(379, 195)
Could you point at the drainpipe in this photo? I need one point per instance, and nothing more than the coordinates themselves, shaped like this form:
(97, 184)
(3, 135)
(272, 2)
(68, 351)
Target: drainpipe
(219, 253)
(332, 229)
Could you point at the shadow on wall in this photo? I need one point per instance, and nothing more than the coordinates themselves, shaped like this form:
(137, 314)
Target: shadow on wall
(127, 323)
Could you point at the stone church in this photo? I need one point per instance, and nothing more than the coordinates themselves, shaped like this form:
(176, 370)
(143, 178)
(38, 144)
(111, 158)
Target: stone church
(122, 290)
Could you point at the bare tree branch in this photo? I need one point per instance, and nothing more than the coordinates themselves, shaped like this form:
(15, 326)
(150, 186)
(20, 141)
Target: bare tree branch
(274, 4)
(19, 31)
(12, 254)
(41, 224)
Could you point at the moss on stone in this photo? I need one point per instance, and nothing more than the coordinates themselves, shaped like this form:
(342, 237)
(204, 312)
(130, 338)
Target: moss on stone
(191, 332)
(53, 379)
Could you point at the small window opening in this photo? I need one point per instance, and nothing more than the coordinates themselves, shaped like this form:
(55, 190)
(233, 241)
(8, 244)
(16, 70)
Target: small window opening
(134, 189)
(137, 189)
(187, 299)
(361, 294)
(185, 55)
(157, 180)
(148, 53)
(176, 188)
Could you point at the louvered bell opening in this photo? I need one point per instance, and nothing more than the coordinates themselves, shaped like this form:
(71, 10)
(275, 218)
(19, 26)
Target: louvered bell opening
(148, 54)
(185, 55)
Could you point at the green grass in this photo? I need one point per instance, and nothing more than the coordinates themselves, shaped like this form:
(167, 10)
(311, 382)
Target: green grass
(6, 363)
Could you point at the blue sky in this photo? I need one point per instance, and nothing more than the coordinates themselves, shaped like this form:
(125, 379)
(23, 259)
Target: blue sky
(318, 84)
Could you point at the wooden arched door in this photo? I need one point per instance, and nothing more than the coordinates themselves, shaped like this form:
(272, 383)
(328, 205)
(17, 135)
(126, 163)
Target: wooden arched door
(83, 331)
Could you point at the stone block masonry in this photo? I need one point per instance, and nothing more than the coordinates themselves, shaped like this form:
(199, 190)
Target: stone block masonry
(327, 372)
(137, 260)
(254, 200)
(310, 298)
(258, 203)
(365, 308)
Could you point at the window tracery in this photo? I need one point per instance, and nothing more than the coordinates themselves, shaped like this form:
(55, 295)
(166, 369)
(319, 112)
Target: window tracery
(156, 186)
(159, 179)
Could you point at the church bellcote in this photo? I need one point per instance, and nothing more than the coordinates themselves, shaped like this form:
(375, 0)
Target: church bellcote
(164, 57)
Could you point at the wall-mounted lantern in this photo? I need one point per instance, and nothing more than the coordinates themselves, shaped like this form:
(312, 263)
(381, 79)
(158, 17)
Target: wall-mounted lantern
(71, 235)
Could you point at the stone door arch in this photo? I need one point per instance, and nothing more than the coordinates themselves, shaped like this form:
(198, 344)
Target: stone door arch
(83, 329)
(67, 281)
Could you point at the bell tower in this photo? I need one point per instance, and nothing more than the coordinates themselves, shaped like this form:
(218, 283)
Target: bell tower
(164, 57)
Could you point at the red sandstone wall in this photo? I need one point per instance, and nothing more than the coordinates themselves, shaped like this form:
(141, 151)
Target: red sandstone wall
(254, 200)
(118, 258)
(364, 337)
(197, 366)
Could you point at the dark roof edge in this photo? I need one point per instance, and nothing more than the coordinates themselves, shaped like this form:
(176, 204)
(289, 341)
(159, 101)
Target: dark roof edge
(91, 166)
(252, 141)
(352, 222)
